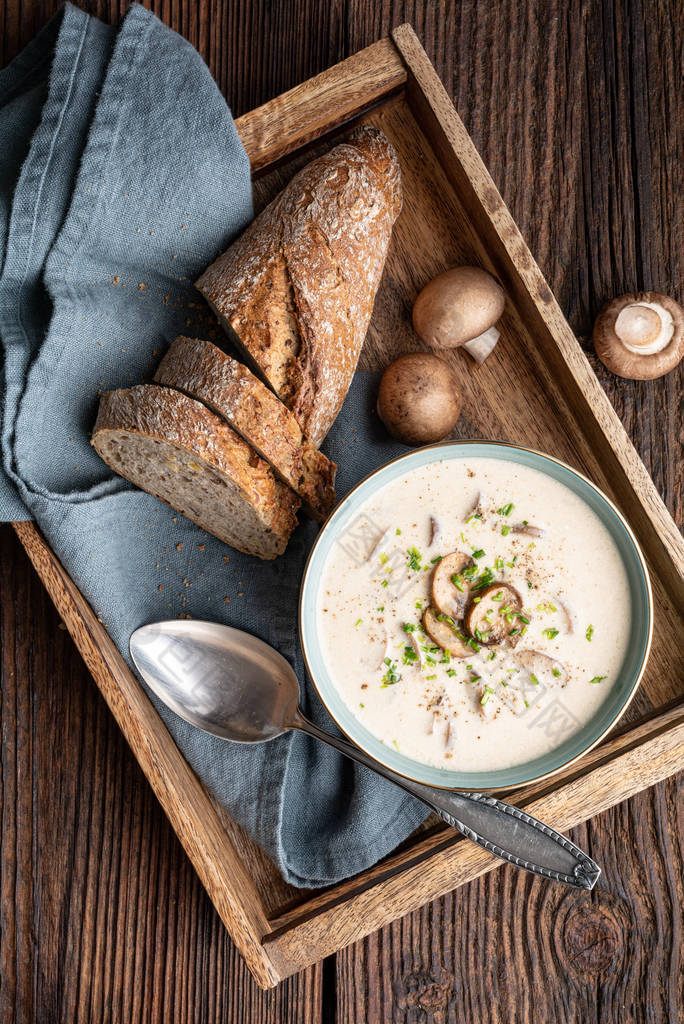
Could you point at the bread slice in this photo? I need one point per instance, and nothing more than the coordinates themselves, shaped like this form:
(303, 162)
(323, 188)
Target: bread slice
(296, 290)
(179, 451)
(228, 388)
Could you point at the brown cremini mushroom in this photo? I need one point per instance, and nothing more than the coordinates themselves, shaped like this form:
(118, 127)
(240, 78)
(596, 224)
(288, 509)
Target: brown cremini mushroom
(640, 336)
(459, 308)
(449, 589)
(445, 632)
(419, 400)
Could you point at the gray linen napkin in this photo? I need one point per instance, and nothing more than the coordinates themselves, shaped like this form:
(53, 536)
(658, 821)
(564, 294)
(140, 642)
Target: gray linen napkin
(121, 177)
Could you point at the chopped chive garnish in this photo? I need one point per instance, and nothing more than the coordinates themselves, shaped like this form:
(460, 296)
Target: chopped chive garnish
(598, 679)
(408, 627)
(433, 561)
(525, 522)
(381, 608)
(358, 622)
(431, 677)
(476, 678)
(446, 658)
(476, 600)
(514, 632)
(505, 530)
(478, 553)
(474, 515)
(589, 634)
(419, 605)
(430, 661)
(457, 580)
(498, 596)
(552, 607)
(506, 510)
(529, 585)
(550, 633)
(413, 557)
(409, 657)
(511, 564)
(498, 563)
(395, 744)
(534, 680)
(488, 691)
(451, 671)
(492, 656)
(398, 531)
(526, 704)
(484, 579)
(361, 705)
(384, 559)
(385, 583)
(523, 619)
(556, 672)
(391, 676)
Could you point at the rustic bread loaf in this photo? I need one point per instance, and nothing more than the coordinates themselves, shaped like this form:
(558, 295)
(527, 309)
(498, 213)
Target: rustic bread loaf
(179, 451)
(296, 290)
(228, 388)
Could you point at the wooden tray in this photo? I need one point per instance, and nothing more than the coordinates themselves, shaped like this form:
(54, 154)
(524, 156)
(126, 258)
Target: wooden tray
(452, 214)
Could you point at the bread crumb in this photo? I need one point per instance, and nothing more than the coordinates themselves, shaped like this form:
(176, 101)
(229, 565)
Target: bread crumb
(115, 280)
(160, 587)
(226, 558)
(142, 287)
(184, 227)
(227, 600)
(179, 545)
(200, 547)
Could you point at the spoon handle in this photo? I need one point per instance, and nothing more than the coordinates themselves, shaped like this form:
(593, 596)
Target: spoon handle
(504, 830)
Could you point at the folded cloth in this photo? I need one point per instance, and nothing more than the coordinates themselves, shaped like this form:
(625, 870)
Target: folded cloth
(121, 177)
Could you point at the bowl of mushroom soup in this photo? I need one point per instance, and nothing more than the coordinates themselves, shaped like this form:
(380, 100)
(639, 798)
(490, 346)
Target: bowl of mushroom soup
(476, 615)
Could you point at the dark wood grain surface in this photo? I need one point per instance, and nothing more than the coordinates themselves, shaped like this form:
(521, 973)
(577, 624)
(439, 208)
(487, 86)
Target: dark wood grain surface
(577, 109)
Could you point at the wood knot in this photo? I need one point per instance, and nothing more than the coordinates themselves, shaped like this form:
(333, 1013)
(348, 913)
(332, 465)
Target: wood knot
(593, 939)
(428, 991)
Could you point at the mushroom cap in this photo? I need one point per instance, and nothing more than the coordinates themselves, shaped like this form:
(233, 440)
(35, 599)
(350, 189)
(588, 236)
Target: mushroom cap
(457, 306)
(633, 318)
(419, 400)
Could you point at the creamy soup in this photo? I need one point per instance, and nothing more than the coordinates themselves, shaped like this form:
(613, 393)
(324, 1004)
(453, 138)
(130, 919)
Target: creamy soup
(475, 614)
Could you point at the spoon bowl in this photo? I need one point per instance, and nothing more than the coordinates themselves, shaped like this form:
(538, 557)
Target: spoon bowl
(222, 680)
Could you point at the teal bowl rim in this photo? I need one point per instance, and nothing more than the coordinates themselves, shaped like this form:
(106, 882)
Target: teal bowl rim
(499, 779)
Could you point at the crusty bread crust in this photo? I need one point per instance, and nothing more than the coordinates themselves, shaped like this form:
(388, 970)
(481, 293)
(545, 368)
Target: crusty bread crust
(296, 290)
(179, 451)
(229, 389)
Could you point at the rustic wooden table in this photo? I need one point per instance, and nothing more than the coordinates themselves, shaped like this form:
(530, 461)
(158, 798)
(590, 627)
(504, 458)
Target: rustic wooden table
(577, 110)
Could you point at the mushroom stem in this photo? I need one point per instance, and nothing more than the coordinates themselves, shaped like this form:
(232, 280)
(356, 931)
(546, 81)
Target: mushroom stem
(482, 346)
(644, 327)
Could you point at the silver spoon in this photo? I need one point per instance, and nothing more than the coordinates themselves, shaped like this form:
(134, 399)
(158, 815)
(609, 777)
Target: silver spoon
(234, 685)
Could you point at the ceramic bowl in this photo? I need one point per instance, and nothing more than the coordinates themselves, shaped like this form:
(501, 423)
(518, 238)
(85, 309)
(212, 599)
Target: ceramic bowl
(621, 692)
